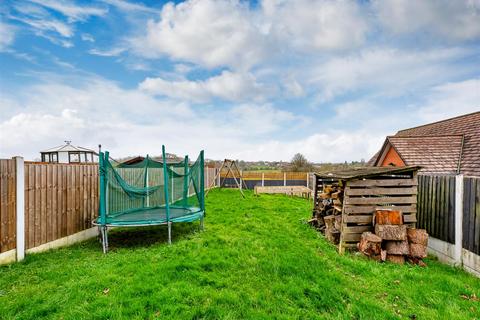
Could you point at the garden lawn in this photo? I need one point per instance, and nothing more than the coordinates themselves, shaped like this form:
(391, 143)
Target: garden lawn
(256, 259)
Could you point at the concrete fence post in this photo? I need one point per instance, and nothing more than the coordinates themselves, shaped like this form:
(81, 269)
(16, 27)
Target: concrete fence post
(458, 218)
(241, 175)
(207, 177)
(218, 177)
(20, 206)
(308, 179)
(263, 179)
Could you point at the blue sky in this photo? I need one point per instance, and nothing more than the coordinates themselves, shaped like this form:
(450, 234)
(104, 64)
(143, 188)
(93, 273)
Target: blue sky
(247, 80)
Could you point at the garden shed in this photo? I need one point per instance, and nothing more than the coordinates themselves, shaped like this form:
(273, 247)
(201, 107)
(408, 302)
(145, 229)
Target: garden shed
(346, 200)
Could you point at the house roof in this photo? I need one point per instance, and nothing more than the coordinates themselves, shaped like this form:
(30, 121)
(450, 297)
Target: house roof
(171, 158)
(438, 154)
(365, 172)
(447, 146)
(66, 148)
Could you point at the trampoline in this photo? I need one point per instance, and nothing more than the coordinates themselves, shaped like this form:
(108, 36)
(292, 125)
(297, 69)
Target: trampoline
(150, 192)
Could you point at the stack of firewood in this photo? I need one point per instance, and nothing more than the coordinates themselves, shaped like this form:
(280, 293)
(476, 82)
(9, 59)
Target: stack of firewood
(393, 241)
(327, 212)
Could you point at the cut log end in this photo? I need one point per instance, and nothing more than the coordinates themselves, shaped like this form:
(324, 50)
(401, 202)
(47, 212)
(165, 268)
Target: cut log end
(390, 217)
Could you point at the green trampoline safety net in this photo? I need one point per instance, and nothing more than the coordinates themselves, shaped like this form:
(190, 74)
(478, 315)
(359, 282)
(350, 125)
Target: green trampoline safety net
(150, 192)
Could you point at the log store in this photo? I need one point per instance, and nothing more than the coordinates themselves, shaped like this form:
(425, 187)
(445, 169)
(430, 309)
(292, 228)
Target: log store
(345, 201)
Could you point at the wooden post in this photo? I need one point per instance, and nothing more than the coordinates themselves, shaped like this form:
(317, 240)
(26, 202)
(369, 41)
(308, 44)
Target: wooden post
(308, 179)
(263, 179)
(458, 218)
(284, 179)
(20, 206)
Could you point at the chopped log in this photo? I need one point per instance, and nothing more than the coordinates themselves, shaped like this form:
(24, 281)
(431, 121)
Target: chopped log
(328, 189)
(418, 236)
(336, 195)
(370, 244)
(397, 247)
(383, 255)
(337, 203)
(391, 232)
(332, 235)
(338, 222)
(418, 250)
(395, 258)
(329, 221)
(388, 216)
(314, 222)
(324, 195)
(338, 208)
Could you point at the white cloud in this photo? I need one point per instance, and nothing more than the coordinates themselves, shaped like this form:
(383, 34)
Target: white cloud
(227, 86)
(113, 52)
(72, 11)
(129, 6)
(48, 24)
(386, 71)
(230, 33)
(316, 25)
(207, 32)
(7, 35)
(128, 121)
(455, 20)
(87, 37)
(450, 100)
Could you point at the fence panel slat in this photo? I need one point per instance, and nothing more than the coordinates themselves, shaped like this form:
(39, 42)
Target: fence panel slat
(436, 207)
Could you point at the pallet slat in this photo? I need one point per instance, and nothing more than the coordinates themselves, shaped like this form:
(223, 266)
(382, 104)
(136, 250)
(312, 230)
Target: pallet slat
(380, 200)
(355, 209)
(383, 183)
(380, 191)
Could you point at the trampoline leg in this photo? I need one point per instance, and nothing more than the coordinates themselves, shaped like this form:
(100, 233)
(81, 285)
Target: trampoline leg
(202, 227)
(102, 233)
(169, 233)
(106, 239)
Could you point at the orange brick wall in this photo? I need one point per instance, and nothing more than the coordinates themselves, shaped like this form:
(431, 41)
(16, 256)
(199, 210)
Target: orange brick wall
(392, 157)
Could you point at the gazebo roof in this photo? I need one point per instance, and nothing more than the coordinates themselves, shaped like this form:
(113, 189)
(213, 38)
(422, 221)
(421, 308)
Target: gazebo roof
(66, 148)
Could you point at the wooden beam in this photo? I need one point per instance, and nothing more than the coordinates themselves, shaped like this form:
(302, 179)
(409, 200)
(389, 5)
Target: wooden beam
(380, 200)
(382, 182)
(355, 209)
(381, 191)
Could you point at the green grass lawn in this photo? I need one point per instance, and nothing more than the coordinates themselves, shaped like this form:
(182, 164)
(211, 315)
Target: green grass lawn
(256, 259)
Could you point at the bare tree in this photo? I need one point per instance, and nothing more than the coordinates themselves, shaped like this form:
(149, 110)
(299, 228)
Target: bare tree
(300, 164)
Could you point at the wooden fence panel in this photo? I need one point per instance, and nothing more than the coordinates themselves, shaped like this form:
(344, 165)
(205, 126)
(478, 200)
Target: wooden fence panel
(471, 215)
(60, 200)
(436, 206)
(7, 205)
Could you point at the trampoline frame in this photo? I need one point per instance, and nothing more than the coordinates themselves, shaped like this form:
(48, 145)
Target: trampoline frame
(197, 213)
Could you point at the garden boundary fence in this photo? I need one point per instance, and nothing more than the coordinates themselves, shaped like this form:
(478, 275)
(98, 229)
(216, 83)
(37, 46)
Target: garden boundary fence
(449, 209)
(48, 205)
(270, 179)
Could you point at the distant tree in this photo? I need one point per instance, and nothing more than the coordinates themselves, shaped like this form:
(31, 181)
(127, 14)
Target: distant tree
(300, 164)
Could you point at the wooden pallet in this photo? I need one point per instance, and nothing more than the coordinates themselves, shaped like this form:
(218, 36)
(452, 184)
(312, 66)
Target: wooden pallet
(363, 197)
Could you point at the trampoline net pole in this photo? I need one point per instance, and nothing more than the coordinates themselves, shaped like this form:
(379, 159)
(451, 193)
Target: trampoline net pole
(101, 205)
(165, 177)
(202, 181)
(185, 182)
